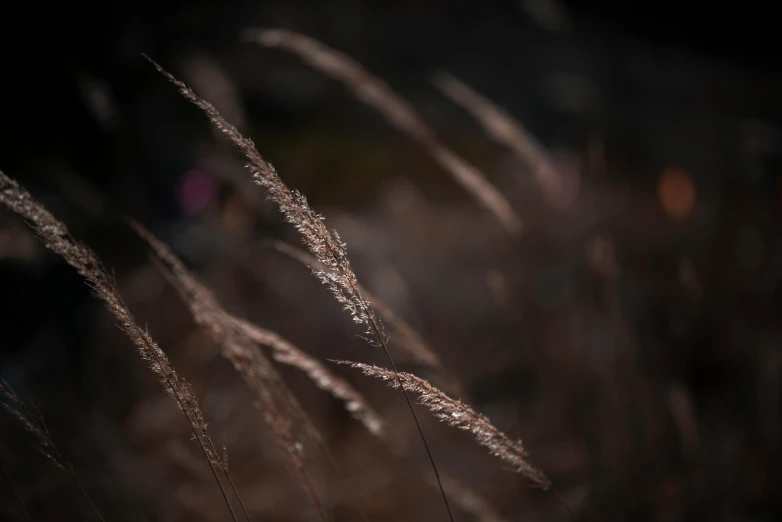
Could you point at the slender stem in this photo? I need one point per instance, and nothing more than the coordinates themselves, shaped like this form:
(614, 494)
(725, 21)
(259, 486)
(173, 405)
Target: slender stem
(61, 461)
(315, 432)
(84, 493)
(325, 449)
(417, 423)
(203, 448)
(384, 345)
(236, 493)
(269, 403)
(330, 457)
(16, 493)
(314, 494)
(211, 466)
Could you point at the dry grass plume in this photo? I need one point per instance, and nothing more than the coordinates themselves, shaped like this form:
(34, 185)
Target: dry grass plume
(459, 415)
(57, 238)
(399, 112)
(324, 244)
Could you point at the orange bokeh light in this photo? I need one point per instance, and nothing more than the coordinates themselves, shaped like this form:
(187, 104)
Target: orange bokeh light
(676, 192)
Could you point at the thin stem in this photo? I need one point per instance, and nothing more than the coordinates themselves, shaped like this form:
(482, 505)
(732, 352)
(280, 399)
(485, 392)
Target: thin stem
(384, 345)
(330, 457)
(418, 425)
(270, 404)
(203, 448)
(84, 493)
(16, 493)
(314, 495)
(62, 461)
(238, 498)
(315, 432)
(321, 442)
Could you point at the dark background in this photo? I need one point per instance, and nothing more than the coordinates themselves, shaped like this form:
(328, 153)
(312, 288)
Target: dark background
(637, 354)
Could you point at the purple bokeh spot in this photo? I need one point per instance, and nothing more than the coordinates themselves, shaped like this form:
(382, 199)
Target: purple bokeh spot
(197, 188)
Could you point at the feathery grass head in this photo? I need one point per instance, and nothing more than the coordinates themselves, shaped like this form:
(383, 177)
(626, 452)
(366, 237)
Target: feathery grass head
(57, 238)
(399, 112)
(411, 341)
(32, 420)
(209, 313)
(459, 415)
(279, 408)
(287, 353)
(324, 244)
(504, 129)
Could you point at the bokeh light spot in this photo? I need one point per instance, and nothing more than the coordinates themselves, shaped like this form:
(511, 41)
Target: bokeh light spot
(676, 192)
(197, 189)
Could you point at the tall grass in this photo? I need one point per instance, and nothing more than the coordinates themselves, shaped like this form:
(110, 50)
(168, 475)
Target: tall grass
(57, 238)
(240, 341)
(324, 244)
(377, 94)
(408, 339)
(246, 345)
(506, 130)
(461, 416)
(15, 491)
(32, 419)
